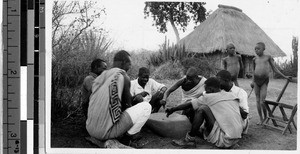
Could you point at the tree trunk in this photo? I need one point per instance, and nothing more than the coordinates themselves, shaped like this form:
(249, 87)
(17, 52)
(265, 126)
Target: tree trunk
(174, 27)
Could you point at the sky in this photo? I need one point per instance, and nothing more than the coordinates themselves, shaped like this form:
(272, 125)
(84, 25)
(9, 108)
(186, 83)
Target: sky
(131, 31)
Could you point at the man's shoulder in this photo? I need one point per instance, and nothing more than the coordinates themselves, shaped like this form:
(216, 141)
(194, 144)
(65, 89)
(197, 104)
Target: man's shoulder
(88, 78)
(225, 58)
(236, 89)
(133, 82)
(152, 81)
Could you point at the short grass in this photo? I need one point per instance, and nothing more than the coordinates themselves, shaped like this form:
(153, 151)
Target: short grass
(71, 133)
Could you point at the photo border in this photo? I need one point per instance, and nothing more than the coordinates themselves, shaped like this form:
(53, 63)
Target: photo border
(45, 114)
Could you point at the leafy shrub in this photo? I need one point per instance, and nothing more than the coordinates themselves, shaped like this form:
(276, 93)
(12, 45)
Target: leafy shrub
(169, 70)
(167, 53)
(138, 59)
(70, 67)
(288, 68)
(204, 66)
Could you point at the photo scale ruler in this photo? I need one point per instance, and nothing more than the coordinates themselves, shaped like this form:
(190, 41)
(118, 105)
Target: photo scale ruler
(11, 77)
(23, 74)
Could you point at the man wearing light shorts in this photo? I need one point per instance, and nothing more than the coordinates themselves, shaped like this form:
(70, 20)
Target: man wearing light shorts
(110, 112)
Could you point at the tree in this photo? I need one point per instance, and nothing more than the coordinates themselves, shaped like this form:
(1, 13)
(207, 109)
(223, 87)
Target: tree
(295, 54)
(177, 13)
(76, 41)
(70, 20)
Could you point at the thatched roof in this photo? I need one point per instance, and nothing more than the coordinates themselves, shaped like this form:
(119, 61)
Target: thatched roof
(229, 25)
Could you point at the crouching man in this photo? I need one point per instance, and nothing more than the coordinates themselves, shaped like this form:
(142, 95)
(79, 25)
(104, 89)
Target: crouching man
(110, 113)
(221, 113)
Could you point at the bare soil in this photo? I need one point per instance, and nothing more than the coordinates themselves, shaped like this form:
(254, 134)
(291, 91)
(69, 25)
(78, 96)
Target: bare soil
(71, 133)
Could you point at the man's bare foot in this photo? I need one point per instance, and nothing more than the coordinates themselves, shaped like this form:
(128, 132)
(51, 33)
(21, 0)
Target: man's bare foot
(259, 123)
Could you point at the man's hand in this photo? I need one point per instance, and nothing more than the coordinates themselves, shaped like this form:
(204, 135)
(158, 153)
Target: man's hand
(163, 103)
(143, 94)
(252, 85)
(169, 111)
(289, 78)
(138, 98)
(160, 94)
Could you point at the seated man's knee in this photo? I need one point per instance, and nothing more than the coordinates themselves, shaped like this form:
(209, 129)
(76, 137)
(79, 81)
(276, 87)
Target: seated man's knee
(203, 108)
(146, 107)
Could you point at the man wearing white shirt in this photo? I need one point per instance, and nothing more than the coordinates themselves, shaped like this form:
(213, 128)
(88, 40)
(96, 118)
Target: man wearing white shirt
(147, 89)
(227, 85)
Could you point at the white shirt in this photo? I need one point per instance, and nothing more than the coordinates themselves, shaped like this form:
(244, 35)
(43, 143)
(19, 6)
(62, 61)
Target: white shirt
(242, 95)
(151, 87)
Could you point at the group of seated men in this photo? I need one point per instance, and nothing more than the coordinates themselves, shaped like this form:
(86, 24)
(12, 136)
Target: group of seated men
(117, 108)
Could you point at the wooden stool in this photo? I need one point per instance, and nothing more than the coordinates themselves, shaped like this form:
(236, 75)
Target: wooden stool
(284, 119)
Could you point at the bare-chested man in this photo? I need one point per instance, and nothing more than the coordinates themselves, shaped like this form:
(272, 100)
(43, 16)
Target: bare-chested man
(192, 87)
(232, 63)
(260, 82)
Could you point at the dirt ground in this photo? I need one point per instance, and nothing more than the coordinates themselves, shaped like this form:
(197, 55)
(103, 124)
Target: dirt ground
(71, 133)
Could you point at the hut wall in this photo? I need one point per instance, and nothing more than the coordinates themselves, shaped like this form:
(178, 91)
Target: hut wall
(248, 66)
(216, 61)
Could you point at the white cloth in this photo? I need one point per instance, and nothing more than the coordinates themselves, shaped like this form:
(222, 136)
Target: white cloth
(105, 102)
(225, 108)
(243, 103)
(242, 95)
(194, 92)
(139, 114)
(151, 87)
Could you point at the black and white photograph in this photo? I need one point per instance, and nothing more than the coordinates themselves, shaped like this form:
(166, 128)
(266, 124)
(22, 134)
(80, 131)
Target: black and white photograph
(173, 75)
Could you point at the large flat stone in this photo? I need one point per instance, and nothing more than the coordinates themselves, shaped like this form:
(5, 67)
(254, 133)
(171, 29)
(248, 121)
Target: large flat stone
(174, 126)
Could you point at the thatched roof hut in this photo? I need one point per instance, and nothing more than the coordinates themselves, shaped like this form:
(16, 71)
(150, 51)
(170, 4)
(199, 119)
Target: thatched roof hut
(229, 25)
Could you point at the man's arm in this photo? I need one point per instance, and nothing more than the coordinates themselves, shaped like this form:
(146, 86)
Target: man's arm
(224, 63)
(271, 61)
(253, 62)
(183, 106)
(126, 95)
(173, 88)
(88, 83)
(241, 64)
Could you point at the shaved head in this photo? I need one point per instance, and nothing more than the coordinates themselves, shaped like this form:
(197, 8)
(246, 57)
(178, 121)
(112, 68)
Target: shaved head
(230, 45)
(192, 72)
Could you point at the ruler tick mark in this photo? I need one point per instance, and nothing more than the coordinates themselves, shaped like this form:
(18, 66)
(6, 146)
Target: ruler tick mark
(13, 77)
(13, 108)
(9, 123)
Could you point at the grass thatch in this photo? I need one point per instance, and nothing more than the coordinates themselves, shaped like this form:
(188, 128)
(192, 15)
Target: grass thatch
(229, 25)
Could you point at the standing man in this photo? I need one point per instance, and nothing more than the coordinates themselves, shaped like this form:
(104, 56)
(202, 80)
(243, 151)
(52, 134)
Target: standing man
(232, 63)
(110, 113)
(147, 89)
(97, 67)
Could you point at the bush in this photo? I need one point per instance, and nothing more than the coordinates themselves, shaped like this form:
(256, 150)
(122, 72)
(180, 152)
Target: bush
(166, 54)
(203, 65)
(138, 59)
(69, 68)
(169, 70)
(288, 68)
